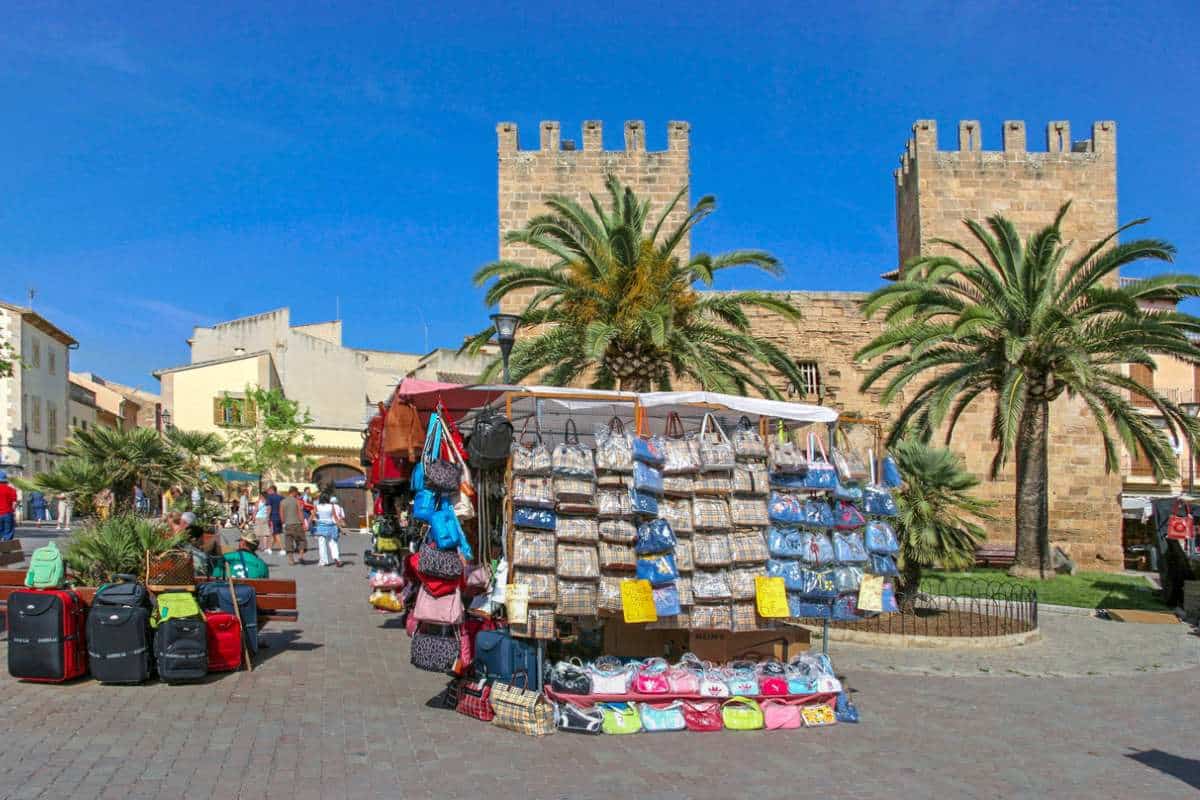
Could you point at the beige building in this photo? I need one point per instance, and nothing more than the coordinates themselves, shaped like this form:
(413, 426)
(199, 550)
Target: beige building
(113, 409)
(81, 403)
(149, 406)
(34, 402)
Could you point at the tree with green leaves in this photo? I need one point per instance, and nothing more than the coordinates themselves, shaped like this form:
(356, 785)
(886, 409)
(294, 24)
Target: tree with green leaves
(1020, 324)
(938, 524)
(620, 306)
(200, 450)
(273, 436)
(8, 359)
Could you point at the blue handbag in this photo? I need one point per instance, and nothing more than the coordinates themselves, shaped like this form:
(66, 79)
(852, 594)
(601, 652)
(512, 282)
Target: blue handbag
(654, 536)
(424, 504)
(784, 480)
(742, 682)
(433, 444)
(848, 493)
(845, 608)
(883, 565)
(818, 583)
(848, 548)
(799, 606)
(659, 569)
(821, 474)
(881, 538)
(847, 579)
(647, 479)
(844, 710)
(644, 504)
(447, 532)
(878, 501)
(498, 656)
(818, 549)
(537, 518)
(785, 542)
(791, 572)
(847, 517)
(891, 473)
(817, 514)
(662, 716)
(648, 450)
(888, 598)
(784, 508)
(666, 601)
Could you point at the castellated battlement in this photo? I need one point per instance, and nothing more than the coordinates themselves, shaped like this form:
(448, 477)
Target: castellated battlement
(923, 145)
(550, 138)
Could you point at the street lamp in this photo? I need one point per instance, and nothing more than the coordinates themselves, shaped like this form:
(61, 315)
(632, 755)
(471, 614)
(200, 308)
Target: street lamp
(166, 419)
(506, 334)
(1192, 410)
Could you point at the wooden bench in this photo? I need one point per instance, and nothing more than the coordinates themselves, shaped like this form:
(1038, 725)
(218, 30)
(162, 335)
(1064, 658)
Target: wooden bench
(11, 552)
(995, 555)
(276, 599)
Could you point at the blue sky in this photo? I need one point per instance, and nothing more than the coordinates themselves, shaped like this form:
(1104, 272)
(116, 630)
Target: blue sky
(163, 167)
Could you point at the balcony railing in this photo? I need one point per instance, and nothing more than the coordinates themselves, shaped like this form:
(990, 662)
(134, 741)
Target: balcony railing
(1176, 394)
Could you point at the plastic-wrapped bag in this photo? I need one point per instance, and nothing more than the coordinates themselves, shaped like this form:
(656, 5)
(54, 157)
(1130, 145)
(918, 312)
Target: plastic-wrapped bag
(585, 530)
(881, 538)
(618, 530)
(649, 450)
(678, 512)
(530, 456)
(647, 479)
(572, 459)
(615, 503)
(681, 452)
(659, 569)
(711, 514)
(614, 447)
(655, 536)
(821, 473)
(532, 491)
(716, 451)
(785, 509)
(747, 441)
(818, 550)
(751, 479)
(711, 585)
(786, 457)
(848, 548)
(711, 550)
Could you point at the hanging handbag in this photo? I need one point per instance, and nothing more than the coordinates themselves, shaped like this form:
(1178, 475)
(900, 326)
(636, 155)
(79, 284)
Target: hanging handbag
(846, 517)
(785, 509)
(712, 484)
(1180, 527)
(570, 677)
(578, 491)
(531, 491)
(847, 579)
(684, 555)
(425, 502)
(702, 716)
(529, 455)
(848, 493)
(747, 441)
(791, 572)
(741, 714)
(786, 457)
(620, 531)
(644, 505)
(439, 563)
(711, 550)
(578, 719)
(648, 450)
(709, 586)
(679, 485)
(444, 610)
(850, 465)
(883, 565)
(880, 538)
(660, 569)
(571, 459)
(662, 716)
(543, 586)
(479, 579)
(666, 601)
(609, 676)
(712, 617)
(490, 440)
(533, 549)
(620, 718)
(785, 542)
(677, 511)
(650, 677)
(578, 598)
(681, 453)
(878, 502)
(654, 536)
(583, 530)
(614, 447)
(711, 514)
(751, 479)
(716, 451)
(535, 518)
(816, 514)
(780, 715)
(747, 547)
(818, 549)
(446, 531)
(578, 562)
(614, 503)
(647, 479)
(890, 472)
(442, 475)
(474, 699)
(521, 710)
(433, 651)
(816, 583)
(821, 473)
(741, 582)
(749, 512)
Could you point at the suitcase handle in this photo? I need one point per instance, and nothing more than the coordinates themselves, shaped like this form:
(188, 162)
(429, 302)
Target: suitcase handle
(125, 577)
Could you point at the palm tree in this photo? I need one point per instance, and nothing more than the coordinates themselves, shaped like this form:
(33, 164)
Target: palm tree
(99, 458)
(197, 449)
(1022, 324)
(938, 521)
(621, 307)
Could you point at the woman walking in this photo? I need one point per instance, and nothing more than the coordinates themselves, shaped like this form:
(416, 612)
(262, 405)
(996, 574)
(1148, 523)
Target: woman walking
(330, 518)
(262, 519)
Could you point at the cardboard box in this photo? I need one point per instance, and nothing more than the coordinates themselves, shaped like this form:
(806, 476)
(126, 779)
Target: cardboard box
(722, 646)
(635, 641)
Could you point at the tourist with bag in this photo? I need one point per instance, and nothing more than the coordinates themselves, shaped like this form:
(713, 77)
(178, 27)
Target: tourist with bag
(330, 518)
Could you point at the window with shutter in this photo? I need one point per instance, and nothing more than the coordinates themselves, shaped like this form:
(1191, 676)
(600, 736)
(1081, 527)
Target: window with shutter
(1140, 465)
(1143, 375)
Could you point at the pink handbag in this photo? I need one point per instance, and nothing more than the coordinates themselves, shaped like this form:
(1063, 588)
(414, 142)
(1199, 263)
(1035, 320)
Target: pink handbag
(651, 677)
(780, 714)
(479, 578)
(682, 681)
(444, 610)
(773, 685)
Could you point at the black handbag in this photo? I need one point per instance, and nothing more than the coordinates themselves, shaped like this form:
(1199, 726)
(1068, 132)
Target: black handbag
(385, 562)
(577, 719)
(439, 563)
(490, 440)
(568, 678)
(434, 651)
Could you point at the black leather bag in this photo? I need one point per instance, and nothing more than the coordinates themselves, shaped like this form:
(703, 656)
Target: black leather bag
(570, 678)
(490, 440)
(439, 563)
(576, 719)
(386, 562)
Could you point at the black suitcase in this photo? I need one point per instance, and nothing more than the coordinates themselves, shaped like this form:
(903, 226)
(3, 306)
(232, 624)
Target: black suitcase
(118, 640)
(181, 649)
(46, 636)
(127, 593)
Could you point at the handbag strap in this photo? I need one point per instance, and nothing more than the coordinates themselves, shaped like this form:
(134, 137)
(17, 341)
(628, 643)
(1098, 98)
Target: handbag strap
(433, 438)
(616, 426)
(674, 429)
(874, 466)
(744, 424)
(745, 702)
(570, 432)
(537, 430)
(715, 426)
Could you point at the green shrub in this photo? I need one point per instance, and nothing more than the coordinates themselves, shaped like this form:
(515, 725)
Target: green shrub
(114, 546)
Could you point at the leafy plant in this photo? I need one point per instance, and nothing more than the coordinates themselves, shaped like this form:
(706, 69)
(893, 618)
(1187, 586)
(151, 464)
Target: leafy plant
(1021, 324)
(8, 358)
(117, 545)
(621, 307)
(273, 442)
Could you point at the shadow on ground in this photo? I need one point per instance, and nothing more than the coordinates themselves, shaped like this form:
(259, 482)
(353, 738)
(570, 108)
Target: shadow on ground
(1185, 769)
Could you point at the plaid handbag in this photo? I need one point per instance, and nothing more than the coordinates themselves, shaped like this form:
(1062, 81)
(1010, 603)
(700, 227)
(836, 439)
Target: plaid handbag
(708, 587)
(571, 459)
(539, 624)
(615, 556)
(747, 442)
(752, 479)
(620, 531)
(678, 512)
(578, 598)
(474, 699)
(532, 491)
(748, 547)
(716, 451)
(533, 549)
(711, 550)
(577, 529)
(529, 455)
(686, 597)
(614, 503)
(684, 558)
(609, 598)
(749, 512)
(578, 561)
(744, 617)
(543, 586)
(575, 490)
(711, 514)
(614, 447)
(681, 452)
(711, 617)
(613, 480)
(741, 582)
(719, 484)
(678, 485)
(521, 710)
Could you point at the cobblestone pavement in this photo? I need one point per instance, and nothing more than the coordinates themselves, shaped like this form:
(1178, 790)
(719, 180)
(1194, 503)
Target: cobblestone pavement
(333, 710)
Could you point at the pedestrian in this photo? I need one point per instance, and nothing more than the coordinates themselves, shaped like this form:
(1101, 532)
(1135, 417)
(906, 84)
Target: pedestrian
(65, 508)
(140, 504)
(262, 518)
(244, 562)
(196, 497)
(330, 518)
(37, 506)
(274, 500)
(103, 501)
(244, 507)
(294, 538)
(8, 506)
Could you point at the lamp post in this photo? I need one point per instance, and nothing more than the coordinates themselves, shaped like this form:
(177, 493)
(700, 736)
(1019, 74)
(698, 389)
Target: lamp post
(1192, 410)
(166, 419)
(506, 334)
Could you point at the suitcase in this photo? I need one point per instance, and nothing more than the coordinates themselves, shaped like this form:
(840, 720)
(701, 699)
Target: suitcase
(46, 636)
(181, 649)
(118, 640)
(215, 596)
(224, 641)
(499, 656)
(127, 593)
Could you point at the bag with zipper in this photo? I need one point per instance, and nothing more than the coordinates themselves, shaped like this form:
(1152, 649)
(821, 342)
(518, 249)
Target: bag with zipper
(881, 538)
(747, 441)
(662, 716)
(46, 570)
(741, 714)
(217, 596)
(474, 699)
(786, 458)
(530, 455)
(578, 719)
(620, 718)
(520, 709)
(490, 440)
(571, 459)
(46, 636)
(181, 649)
(118, 633)
(780, 715)
(609, 676)
(821, 473)
(702, 716)
(716, 451)
(751, 479)
(883, 565)
(223, 634)
(614, 447)
(570, 677)
(681, 452)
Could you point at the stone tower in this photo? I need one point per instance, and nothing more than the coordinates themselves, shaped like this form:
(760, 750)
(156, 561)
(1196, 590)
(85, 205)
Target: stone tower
(529, 177)
(936, 190)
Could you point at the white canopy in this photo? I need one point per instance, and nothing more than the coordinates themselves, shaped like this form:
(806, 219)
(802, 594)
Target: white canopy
(796, 412)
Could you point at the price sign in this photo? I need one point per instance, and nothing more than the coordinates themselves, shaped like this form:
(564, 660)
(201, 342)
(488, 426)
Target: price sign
(870, 593)
(516, 601)
(637, 601)
(770, 595)
(816, 716)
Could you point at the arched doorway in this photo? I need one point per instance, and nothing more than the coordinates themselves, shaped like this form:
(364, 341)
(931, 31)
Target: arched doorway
(354, 501)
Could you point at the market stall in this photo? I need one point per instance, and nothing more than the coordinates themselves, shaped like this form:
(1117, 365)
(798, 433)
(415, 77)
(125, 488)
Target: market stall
(688, 512)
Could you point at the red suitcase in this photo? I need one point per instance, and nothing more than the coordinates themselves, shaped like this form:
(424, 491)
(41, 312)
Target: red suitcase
(224, 641)
(46, 636)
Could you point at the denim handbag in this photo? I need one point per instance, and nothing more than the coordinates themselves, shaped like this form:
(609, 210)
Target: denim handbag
(818, 583)
(792, 572)
(844, 710)
(647, 479)
(891, 473)
(878, 501)
(881, 538)
(821, 473)
(799, 606)
(654, 536)
(662, 716)
(848, 493)
(783, 480)
(645, 505)
(846, 517)
(784, 508)
(424, 504)
(658, 569)
(848, 548)
(847, 579)
(845, 608)
(785, 542)
(818, 549)
(817, 514)
(648, 450)
(666, 601)
(888, 598)
(537, 518)
(883, 565)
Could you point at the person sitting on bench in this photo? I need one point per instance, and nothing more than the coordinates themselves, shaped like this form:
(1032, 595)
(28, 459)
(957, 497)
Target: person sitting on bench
(243, 562)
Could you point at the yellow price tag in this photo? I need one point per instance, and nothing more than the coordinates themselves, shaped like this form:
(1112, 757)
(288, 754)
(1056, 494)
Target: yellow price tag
(870, 593)
(771, 596)
(637, 601)
(516, 602)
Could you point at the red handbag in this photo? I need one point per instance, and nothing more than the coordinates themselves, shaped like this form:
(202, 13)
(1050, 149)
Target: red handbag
(1180, 528)
(475, 700)
(773, 685)
(702, 715)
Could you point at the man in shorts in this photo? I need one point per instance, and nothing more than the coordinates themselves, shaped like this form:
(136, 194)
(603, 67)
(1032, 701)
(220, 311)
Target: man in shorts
(273, 499)
(294, 538)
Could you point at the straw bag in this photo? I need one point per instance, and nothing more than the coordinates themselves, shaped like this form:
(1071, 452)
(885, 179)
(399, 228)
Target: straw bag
(171, 568)
(716, 451)
(521, 710)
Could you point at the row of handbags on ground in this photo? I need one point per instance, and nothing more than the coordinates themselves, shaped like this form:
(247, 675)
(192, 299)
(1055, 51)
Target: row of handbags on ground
(734, 714)
(608, 675)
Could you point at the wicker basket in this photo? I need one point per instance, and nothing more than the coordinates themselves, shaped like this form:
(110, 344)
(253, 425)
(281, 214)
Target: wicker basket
(171, 569)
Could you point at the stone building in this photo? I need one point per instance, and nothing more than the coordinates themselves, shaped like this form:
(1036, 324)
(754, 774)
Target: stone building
(935, 190)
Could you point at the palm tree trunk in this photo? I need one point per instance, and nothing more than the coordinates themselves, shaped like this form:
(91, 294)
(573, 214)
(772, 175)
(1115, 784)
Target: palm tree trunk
(1033, 493)
(909, 584)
